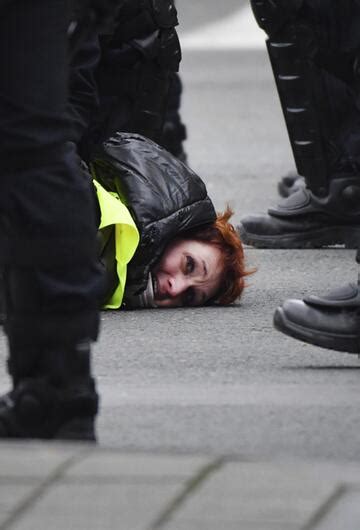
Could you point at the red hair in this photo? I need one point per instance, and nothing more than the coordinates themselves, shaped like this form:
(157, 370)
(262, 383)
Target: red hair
(224, 236)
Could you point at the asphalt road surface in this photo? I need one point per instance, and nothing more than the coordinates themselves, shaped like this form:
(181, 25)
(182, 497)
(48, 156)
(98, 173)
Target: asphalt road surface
(223, 380)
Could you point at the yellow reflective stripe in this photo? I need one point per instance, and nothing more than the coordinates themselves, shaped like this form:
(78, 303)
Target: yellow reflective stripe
(114, 212)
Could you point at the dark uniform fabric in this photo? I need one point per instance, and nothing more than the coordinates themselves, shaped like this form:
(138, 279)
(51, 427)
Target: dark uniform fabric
(37, 155)
(174, 131)
(83, 91)
(46, 202)
(314, 48)
(135, 74)
(51, 277)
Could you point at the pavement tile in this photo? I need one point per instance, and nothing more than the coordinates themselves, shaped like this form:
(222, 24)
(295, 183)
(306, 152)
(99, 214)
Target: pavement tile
(258, 493)
(97, 507)
(107, 464)
(106, 489)
(22, 459)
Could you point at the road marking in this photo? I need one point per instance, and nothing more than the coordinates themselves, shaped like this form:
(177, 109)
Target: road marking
(237, 31)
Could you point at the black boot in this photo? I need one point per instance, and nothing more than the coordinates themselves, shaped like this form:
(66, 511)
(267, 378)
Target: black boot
(53, 395)
(331, 321)
(305, 220)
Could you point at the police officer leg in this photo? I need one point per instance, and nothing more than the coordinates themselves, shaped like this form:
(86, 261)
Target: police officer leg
(134, 76)
(313, 59)
(48, 222)
(174, 131)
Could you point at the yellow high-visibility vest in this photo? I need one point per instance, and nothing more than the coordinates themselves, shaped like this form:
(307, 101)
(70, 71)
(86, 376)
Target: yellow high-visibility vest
(114, 212)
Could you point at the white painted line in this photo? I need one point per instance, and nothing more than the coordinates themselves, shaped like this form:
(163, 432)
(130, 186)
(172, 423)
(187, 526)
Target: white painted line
(237, 31)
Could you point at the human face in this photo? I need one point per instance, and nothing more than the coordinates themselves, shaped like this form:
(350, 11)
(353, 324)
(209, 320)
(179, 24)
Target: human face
(188, 274)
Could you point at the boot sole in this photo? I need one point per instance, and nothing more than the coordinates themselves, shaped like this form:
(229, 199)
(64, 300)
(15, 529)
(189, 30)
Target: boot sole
(330, 341)
(77, 429)
(323, 237)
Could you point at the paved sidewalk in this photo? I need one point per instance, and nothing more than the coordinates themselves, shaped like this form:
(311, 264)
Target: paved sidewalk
(78, 487)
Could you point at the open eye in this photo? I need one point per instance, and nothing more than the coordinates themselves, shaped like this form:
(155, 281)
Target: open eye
(190, 264)
(189, 296)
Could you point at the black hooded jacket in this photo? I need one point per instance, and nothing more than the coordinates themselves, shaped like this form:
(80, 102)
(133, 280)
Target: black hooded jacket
(163, 195)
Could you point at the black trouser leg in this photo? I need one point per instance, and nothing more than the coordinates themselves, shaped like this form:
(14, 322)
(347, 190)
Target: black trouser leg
(47, 208)
(174, 130)
(47, 202)
(314, 48)
(138, 63)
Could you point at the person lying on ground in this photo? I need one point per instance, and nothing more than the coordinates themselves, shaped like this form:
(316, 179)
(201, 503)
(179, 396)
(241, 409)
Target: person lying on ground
(161, 243)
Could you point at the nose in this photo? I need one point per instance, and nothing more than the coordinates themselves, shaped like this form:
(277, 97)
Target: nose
(177, 285)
